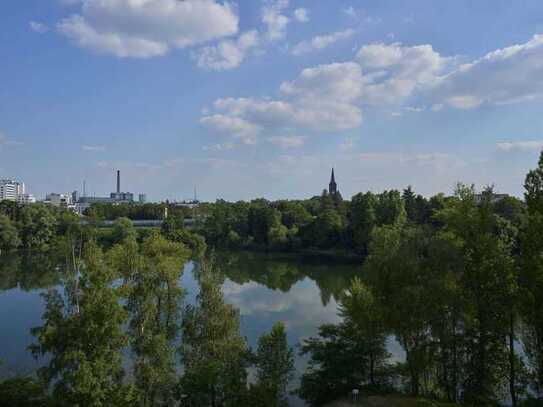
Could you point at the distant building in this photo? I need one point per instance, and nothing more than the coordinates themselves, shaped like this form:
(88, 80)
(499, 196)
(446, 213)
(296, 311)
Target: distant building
(60, 200)
(493, 198)
(142, 198)
(15, 191)
(332, 187)
(25, 199)
(124, 197)
(8, 190)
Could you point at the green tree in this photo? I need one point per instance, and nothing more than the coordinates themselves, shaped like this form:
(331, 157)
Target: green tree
(153, 301)
(275, 364)
(532, 275)
(489, 285)
(123, 229)
(9, 236)
(214, 354)
(364, 315)
(363, 220)
(83, 338)
(37, 226)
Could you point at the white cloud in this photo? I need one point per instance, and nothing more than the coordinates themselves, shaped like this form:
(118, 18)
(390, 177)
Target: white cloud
(227, 54)
(321, 41)
(507, 75)
(93, 148)
(38, 27)
(331, 97)
(274, 19)
(219, 147)
(236, 126)
(286, 142)
(350, 11)
(301, 15)
(321, 99)
(148, 28)
(396, 71)
(520, 146)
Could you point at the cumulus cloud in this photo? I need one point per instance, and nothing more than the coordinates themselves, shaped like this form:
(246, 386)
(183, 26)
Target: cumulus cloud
(321, 41)
(227, 54)
(40, 28)
(301, 15)
(350, 11)
(273, 18)
(286, 142)
(507, 75)
(148, 28)
(236, 126)
(395, 77)
(396, 71)
(520, 146)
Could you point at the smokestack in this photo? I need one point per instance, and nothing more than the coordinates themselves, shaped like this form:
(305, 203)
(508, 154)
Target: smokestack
(118, 181)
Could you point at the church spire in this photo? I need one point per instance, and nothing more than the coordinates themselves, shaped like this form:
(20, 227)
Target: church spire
(332, 190)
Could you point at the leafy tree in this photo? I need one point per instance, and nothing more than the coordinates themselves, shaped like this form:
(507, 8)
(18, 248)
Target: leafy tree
(489, 283)
(123, 229)
(532, 275)
(275, 364)
(153, 298)
(24, 392)
(214, 355)
(390, 209)
(9, 236)
(36, 227)
(363, 219)
(363, 314)
(83, 337)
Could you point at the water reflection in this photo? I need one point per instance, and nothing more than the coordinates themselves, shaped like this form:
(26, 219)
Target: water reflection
(301, 292)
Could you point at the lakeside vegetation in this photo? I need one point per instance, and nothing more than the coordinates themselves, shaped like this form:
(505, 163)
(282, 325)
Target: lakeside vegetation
(457, 281)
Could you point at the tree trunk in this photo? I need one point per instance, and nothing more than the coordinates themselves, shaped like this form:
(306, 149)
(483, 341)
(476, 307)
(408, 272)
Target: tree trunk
(512, 373)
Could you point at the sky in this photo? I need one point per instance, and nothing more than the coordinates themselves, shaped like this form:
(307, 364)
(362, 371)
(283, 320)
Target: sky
(261, 98)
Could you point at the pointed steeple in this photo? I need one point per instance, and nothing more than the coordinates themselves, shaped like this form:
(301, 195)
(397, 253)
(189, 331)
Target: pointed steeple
(333, 186)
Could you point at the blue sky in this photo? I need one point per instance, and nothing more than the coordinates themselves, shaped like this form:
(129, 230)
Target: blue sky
(261, 97)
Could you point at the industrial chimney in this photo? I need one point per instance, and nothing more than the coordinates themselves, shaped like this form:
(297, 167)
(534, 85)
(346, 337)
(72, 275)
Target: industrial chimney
(118, 182)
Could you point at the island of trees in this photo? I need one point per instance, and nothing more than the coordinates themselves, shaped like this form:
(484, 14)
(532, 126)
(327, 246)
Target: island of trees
(457, 281)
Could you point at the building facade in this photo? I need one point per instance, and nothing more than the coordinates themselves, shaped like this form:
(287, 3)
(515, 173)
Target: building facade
(15, 191)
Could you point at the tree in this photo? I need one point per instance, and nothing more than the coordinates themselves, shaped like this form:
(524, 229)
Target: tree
(123, 229)
(275, 364)
(214, 354)
(390, 209)
(532, 275)
(363, 314)
(83, 337)
(36, 227)
(153, 301)
(488, 283)
(9, 236)
(363, 220)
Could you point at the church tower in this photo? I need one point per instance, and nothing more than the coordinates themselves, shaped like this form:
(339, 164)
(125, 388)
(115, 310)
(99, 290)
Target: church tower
(332, 189)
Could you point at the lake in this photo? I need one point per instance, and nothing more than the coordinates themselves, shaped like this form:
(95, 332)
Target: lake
(300, 291)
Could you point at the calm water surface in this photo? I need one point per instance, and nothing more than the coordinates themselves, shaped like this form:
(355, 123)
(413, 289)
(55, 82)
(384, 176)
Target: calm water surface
(301, 292)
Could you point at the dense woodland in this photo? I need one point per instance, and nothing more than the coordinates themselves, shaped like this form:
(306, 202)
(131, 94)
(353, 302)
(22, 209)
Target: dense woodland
(457, 281)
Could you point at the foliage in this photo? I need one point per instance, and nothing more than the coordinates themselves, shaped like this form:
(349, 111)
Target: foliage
(275, 364)
(214, 354)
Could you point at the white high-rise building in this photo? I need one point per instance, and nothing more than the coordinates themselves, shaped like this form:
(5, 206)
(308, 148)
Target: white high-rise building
(11, 190)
